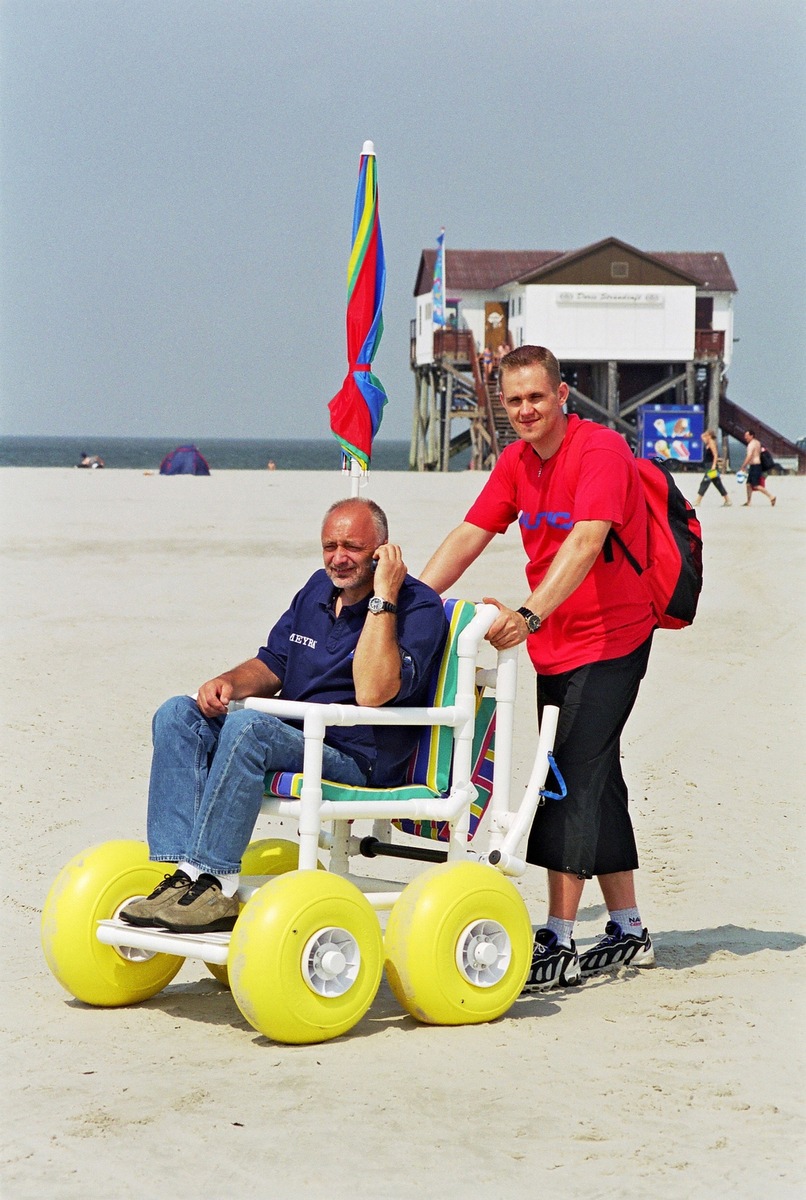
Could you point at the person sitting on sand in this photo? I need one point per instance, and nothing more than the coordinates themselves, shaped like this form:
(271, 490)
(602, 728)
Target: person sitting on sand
(362, 631)
(755, 471)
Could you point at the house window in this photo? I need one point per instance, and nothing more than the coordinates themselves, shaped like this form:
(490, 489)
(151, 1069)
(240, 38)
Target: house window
(619, 270)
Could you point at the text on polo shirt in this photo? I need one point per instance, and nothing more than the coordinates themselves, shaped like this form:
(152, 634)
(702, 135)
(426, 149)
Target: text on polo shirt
(562, 520)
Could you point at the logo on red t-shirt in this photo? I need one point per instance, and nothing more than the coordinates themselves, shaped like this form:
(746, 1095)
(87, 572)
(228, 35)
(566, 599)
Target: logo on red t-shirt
(562, 520)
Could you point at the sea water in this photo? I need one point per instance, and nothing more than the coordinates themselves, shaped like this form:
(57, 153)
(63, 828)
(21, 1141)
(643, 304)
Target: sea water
(222, 454)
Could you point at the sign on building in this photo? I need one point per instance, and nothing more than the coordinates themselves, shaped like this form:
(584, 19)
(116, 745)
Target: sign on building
(672, 431)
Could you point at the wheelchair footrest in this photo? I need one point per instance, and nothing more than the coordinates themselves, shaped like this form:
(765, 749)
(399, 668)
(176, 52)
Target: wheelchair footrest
(209, 947)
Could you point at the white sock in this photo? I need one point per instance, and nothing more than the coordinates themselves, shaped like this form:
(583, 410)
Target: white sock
(562, 929)
(192, 872)
(229, 884)
(629, 919)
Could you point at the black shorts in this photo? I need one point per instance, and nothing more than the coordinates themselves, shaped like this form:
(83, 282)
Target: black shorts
(589, 832)
(755, 475)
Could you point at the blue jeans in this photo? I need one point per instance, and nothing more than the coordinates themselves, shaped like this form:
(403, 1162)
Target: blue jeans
(207, 777)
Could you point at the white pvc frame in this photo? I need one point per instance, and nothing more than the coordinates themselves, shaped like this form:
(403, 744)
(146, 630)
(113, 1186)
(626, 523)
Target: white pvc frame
(312, 811)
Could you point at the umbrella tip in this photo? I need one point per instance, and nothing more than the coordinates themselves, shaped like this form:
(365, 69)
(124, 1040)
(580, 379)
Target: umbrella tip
(369, 148)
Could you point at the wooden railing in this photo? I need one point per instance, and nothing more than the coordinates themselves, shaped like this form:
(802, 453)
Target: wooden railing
(457, 344)
(709, 343)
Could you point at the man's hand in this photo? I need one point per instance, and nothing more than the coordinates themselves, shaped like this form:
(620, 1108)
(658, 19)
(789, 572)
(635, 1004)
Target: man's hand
(214, 696)
(509, 627)
(390, 572)
(376, 662)
(251, 678)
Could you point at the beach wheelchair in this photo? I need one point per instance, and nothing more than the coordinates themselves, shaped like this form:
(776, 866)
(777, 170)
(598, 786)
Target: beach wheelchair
(307, 954)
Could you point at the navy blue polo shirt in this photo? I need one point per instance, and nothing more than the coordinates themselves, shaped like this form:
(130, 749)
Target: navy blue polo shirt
(311, 651)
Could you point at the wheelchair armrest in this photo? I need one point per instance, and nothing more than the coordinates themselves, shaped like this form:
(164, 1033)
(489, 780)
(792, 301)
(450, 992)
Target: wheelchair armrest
(352, 714)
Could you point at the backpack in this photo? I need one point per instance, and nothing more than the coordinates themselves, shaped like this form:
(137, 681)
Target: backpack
(673, 571)
(766, 460)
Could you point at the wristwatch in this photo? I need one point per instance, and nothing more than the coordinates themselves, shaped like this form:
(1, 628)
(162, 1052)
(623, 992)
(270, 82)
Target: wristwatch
(377, 605)
(533, 621)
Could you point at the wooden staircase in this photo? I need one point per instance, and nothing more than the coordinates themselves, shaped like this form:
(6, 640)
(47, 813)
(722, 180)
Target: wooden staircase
(504, 433)
(734, 420)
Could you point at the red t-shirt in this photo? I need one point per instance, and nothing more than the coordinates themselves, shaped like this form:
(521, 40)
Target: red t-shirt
(609, 614)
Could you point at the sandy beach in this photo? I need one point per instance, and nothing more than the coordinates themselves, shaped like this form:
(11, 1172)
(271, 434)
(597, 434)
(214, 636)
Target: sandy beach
(121, 588)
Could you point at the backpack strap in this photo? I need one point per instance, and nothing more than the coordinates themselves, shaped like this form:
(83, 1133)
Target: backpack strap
(607, 550)
(574, 456)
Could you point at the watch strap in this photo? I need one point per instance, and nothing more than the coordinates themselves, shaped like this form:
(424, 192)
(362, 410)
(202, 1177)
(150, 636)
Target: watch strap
(533, 621)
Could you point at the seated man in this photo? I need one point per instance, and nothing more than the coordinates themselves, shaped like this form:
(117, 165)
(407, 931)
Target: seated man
(361, 631)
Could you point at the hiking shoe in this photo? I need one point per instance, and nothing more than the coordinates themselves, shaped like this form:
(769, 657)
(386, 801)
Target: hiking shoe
(617, 949)
(142, 912)
(553, 965)
(202, 909)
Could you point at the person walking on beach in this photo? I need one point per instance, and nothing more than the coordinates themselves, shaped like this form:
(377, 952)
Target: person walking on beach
(361, 630)
(710, 455)
(588, 625)
(755, 472)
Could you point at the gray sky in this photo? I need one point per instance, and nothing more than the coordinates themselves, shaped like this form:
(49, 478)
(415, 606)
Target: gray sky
(179, 176)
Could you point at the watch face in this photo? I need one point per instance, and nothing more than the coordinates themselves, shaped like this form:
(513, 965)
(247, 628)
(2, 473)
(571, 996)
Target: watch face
(533, 622)
(379, 605)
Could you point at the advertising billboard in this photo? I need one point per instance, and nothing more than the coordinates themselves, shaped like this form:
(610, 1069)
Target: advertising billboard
(671, 431)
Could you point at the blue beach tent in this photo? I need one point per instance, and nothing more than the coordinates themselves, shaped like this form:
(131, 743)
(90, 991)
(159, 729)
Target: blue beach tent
(184, 460)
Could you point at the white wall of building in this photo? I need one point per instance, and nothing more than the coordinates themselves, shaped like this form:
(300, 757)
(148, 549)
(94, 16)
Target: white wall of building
(723, 319)
(596, 323)
(424, 331)
(589, 323)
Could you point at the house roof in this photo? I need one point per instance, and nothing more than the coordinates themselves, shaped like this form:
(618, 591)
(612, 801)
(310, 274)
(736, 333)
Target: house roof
(486, 270)
(481, 270)
(709, 267)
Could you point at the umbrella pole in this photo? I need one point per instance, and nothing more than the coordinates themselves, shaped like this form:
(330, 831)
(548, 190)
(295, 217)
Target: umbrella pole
(355, 477)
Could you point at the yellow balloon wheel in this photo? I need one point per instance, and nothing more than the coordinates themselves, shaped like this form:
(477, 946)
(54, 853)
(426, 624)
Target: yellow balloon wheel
(458, 945)
(306, 958)
(219, 971)
(267, 856)
(270, 856)
(94, 886)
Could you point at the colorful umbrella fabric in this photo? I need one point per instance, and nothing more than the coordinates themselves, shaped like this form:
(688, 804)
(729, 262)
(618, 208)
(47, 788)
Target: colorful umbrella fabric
(356, 410)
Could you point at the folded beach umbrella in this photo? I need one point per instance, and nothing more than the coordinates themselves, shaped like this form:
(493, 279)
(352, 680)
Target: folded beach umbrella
(356, 411)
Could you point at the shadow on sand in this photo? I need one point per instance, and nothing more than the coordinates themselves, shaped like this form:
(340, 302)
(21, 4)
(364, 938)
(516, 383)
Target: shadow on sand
(210, 1003)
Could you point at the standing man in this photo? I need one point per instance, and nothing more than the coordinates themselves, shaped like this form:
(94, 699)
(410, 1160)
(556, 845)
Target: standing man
(755, 471)
(361, 631)
(588, 625)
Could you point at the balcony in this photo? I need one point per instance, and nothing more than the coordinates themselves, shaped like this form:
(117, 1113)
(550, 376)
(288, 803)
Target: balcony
(456, 345)
(709, 344)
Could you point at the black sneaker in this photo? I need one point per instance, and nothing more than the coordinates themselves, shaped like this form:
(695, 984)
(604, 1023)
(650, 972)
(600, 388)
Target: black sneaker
(202, 909)
(617, 949)
(553, 965)
(143, 912)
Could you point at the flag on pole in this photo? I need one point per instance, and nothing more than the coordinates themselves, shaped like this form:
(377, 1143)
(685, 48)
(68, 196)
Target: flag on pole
(438, 289)
(356, 410)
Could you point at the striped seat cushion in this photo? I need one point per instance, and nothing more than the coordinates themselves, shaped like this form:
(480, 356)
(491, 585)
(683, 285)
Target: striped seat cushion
(429, 772)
